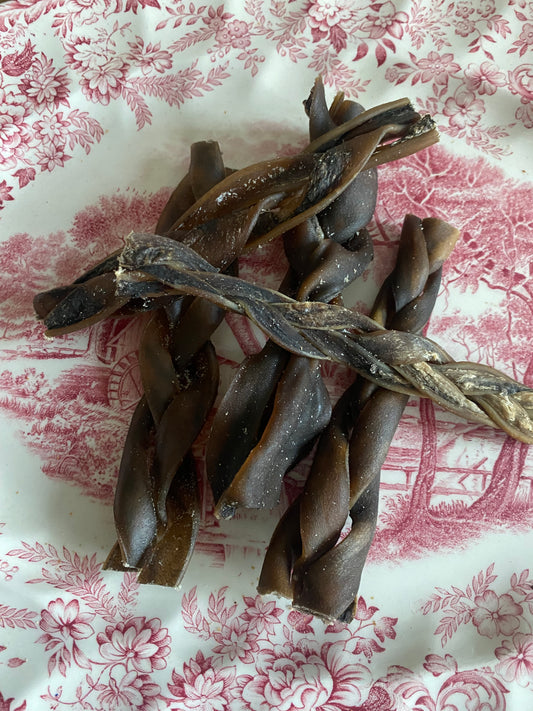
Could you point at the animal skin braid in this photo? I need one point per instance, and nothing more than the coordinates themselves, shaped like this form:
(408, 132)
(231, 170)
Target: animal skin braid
(305, 560)
(396, 360)
(276, 406)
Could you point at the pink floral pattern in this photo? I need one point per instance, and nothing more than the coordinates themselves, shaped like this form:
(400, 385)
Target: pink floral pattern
(63, 625)
(331, 37)
(516, 659)
(140, 644)
(495, 616)
(298, 661)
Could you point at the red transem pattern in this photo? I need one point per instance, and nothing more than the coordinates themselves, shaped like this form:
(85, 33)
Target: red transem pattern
(442, 476)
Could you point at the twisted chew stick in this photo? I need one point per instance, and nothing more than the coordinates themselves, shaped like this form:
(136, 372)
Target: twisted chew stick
(303, 560)
(249, 451)
(180, 385)
(395, 360)
(354, 207)
(245, 466)
(293, 189)
(156, 503)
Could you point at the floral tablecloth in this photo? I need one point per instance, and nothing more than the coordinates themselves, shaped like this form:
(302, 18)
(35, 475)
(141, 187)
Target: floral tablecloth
(99, 102)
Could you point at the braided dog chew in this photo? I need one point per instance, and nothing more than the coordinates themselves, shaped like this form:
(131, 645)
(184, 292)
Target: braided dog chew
(154, 457)
(157, 503)
(398, 361)
(274, 408)
(292, 189)
(304, 559)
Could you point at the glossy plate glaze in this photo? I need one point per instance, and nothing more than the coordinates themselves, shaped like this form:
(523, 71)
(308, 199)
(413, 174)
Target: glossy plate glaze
(99, 103)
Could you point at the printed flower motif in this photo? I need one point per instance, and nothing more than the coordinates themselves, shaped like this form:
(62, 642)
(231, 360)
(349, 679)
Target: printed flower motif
(325, 14)
(52, 155)
(236, 33)
(367, 646)
(486, 8)
(262, 615)
(301, 622)
(485, 78)
(384, 627)
(138, 643)
(516, 659)
(305, 676)
(132, 691)
(46, 87)
(392, 74)
(52, 127)
(385, 21)
(364, 612)
(437, 67)
(464, 27)
(66, 621)
(216, 18)
(202, 686)
(63, 625)
(463, 109)
(236, 641)
(151, 57)
(495, 615)
(527, 33)
(14, 132)
(103, 73)
(464, 9)
(83, 12)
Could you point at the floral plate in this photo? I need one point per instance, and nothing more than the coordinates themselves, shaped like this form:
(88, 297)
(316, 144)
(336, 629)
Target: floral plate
(99, 102)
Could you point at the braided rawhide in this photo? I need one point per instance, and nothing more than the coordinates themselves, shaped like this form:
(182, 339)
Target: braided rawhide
(157, 506)
(157, 503)
(305, 560)
(276, 405)
(399, 361)
(288, 189)
(213, 216)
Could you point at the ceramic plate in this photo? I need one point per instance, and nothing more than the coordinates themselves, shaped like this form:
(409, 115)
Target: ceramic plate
(99, 103)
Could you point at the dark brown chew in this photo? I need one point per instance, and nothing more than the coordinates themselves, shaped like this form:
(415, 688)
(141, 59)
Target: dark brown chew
(331, 332)
(246, 470)
(215, 215)
(165, 562)
(239, 419)
(291, 189)
(92, 296)
(301, 411)
(306, 184)
(179, 371)
(353, 209)
(324, 574)
(156, 501)
(249, 448)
